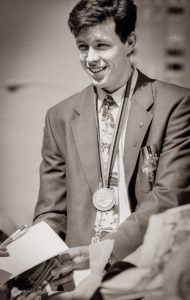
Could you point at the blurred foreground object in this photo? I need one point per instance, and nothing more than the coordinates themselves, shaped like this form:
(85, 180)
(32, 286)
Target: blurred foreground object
(163, 267)
(176, 275)
(163, 270)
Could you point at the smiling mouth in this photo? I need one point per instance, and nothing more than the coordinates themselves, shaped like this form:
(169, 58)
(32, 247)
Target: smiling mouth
(96, 70)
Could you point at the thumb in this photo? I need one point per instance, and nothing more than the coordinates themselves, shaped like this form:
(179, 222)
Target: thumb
(79, 251)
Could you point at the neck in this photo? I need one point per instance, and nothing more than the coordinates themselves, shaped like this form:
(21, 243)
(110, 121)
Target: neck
(122, 83)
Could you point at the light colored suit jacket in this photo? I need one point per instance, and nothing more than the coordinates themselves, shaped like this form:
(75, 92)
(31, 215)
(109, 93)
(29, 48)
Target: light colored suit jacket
(70, 170)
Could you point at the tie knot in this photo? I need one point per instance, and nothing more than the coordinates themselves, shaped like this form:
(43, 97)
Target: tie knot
(108, 101)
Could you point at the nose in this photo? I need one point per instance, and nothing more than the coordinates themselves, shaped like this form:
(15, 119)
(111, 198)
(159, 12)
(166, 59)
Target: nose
(92, 56)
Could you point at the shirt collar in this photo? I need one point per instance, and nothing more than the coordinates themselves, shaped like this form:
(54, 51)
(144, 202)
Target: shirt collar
(117, 96)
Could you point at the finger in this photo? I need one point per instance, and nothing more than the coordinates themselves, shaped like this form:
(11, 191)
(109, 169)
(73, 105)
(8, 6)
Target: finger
(55, 264)
(63, 270)
(37, 298)
(64, 257)
(62, 296)
(43, 285)
(78, 251)
(21, 297)
(4, 252)
(62, 280)
(33, 296)
(15, 292)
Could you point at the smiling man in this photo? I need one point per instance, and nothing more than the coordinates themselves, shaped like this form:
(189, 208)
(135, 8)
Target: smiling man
(118, 151)
(104, 56)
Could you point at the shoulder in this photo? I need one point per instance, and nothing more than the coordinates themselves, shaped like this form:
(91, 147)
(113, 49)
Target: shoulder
(170, 98)
(161, 88)
(168, 90)
(65, 107)
(161, 91)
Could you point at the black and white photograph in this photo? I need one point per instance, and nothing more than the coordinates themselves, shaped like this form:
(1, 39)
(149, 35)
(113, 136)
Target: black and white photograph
(94, 149)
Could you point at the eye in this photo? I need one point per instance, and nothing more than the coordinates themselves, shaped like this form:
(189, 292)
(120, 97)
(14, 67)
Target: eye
(82, 47)
(102, 46)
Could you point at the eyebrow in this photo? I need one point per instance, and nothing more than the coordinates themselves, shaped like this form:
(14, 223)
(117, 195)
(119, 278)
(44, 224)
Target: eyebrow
(97, 41)
(79, 41)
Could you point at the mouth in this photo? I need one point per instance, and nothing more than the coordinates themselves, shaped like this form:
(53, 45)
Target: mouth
(96, 70)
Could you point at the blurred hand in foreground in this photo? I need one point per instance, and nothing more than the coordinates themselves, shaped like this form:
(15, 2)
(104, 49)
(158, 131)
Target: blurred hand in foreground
(3, 251)
(16, 294)
(84, 290)
(76, 258)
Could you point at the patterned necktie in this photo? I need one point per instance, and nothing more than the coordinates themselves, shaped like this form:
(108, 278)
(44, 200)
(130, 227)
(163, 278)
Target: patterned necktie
(107, 129)
(106, 221)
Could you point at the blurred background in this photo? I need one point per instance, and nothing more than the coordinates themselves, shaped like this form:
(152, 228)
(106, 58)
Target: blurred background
(40, 67)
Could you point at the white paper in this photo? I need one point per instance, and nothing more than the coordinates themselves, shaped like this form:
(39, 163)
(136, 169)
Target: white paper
(80, 275)
(38, 244)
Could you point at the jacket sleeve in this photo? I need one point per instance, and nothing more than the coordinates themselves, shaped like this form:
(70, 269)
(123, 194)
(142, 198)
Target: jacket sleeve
(52, 199)
(172, 183)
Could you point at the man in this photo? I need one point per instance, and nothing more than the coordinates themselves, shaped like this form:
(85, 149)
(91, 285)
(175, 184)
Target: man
(108, 166)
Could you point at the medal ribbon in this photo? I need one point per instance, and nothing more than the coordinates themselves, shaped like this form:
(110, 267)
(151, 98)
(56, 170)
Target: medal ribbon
(117, 130)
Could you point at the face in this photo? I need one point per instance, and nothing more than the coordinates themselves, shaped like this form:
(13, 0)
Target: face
(104, 57)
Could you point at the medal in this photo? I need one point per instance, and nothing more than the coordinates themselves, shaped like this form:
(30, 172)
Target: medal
(103, 199)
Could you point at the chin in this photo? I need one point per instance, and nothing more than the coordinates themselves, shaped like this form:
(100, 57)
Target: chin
(101, 85)
(102, 82)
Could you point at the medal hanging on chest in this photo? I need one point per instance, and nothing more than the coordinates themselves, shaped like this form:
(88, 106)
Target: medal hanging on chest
(104, 198)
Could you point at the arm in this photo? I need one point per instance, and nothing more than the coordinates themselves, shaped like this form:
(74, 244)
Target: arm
(172, 183)
(51, 205)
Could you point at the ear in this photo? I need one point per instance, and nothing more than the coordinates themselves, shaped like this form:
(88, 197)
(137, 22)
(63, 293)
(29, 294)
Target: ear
(130, 43)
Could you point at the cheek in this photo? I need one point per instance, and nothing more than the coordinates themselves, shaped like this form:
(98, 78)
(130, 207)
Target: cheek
(81, 58)
(119, 56)
(114, 60)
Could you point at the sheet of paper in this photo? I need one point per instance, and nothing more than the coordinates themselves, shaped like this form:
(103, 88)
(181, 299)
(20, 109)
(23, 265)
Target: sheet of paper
(38, 244)
(80, 275)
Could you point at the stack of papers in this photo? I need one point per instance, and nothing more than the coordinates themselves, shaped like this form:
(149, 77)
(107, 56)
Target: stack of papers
(37, 244)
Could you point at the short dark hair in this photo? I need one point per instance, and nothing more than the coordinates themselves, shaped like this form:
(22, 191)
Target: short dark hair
(87, 13)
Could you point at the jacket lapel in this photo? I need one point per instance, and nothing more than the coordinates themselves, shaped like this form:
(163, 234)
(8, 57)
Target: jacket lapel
(85, 134)
(138, 123)
(85, 130)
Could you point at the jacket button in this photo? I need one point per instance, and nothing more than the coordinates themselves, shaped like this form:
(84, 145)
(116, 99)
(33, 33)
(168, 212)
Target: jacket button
(135, 144)
(141, 124)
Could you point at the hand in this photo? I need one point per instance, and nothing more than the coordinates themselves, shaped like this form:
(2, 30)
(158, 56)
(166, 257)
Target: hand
(3, 251)
(80, 257)
(19, 295)
(77, 259)
(83, 291)
(33, 296)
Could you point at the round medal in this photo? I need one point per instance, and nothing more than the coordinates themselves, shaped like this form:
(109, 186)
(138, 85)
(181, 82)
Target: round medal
(103, 199)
